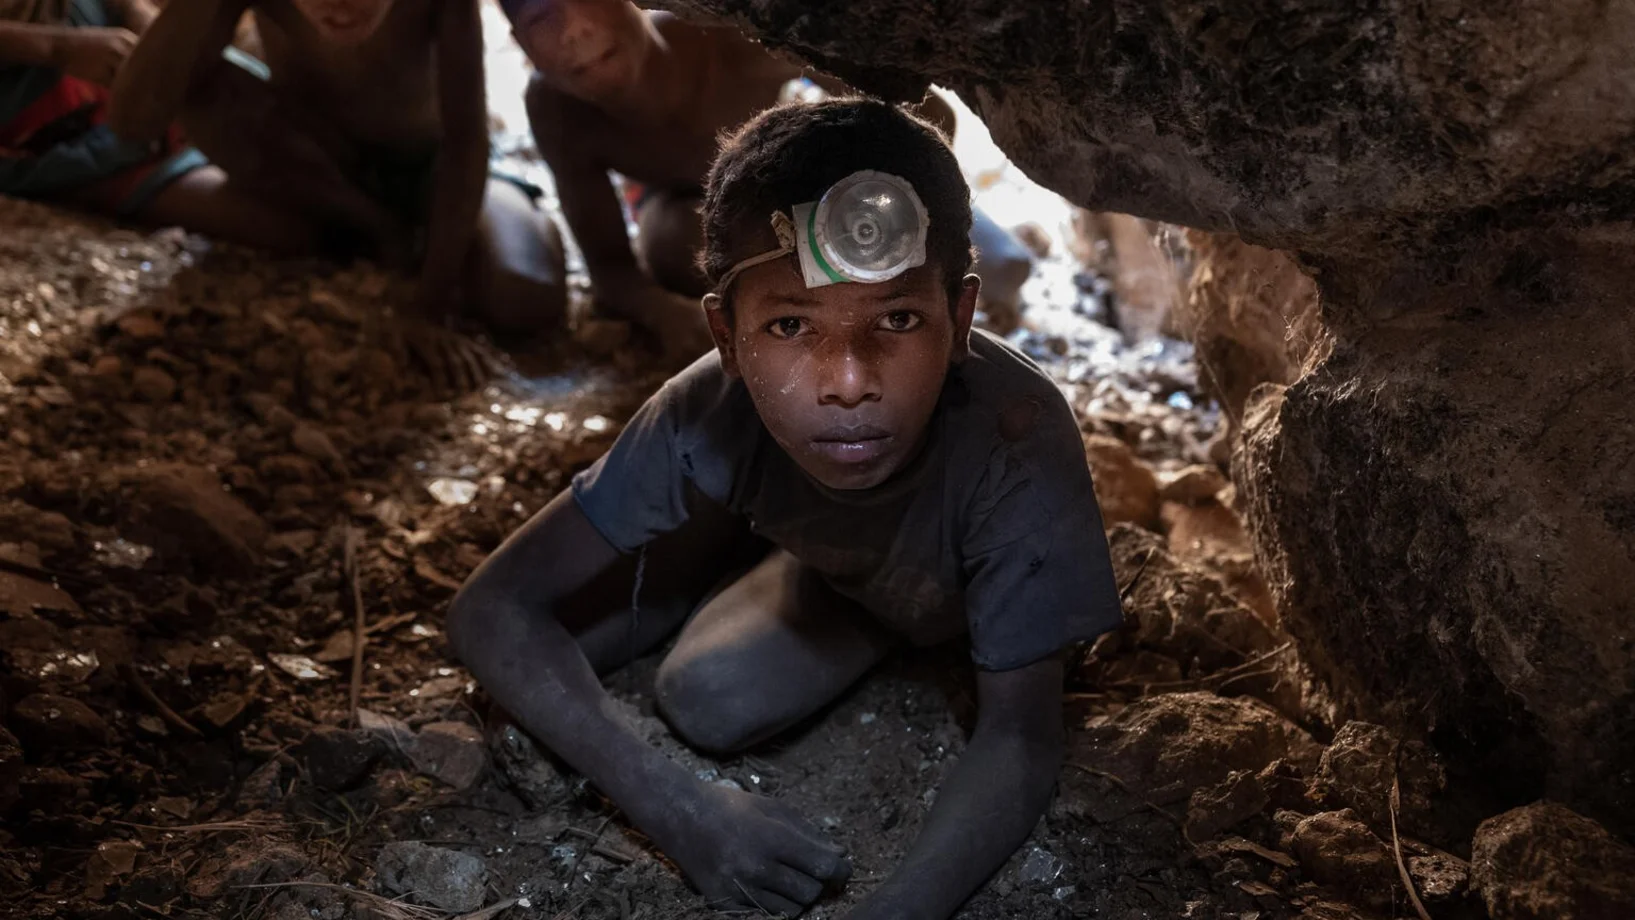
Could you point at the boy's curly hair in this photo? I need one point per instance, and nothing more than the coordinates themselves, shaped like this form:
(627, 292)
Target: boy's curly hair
(792, 153)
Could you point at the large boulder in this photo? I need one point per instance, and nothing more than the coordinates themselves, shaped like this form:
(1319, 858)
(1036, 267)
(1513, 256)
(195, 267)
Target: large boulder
(1446, 499)
(1544, 861)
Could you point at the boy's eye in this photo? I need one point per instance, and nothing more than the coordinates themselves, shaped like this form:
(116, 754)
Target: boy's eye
(786, 327)
(900, 321)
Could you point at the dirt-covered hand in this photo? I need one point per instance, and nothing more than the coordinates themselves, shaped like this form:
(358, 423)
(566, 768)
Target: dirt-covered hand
(95, 54)
(749, 850)
(453, 362)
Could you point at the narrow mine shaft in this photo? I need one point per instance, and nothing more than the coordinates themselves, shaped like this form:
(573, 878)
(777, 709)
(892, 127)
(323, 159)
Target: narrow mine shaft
(478, 459)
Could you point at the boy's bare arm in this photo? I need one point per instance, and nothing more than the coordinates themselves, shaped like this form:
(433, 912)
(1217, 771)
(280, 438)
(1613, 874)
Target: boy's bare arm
(989, 804)
(31, 45)
(135, 15)
(153, 85)
(462, 158)
(502, 624)
(594, 215)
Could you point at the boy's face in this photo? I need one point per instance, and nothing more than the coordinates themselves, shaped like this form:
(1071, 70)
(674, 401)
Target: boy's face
(345, 22)
(845, 377)
(589, 49)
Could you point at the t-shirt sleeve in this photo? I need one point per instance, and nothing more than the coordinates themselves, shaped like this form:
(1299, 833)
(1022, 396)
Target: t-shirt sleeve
(1037, 568)
(637, 490)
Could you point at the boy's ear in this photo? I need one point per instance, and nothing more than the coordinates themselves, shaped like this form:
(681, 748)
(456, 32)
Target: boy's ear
(715, 313)
(964, 311)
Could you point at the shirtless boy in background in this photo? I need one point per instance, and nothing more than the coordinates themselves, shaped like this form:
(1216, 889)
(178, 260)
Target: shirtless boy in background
(58, 59)
(647, 95)
(373, 124)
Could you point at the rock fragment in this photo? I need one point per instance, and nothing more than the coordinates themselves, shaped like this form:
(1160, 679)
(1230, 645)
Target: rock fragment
(1545, 861)
(1224, 805)
(1338, 849)
(153, 384)
(1356, 772)
(335, 758)
(1169, 745)
(446, 879)
(524, 766)
(450, 751)
(45, 721)
(183, 511)
(1126, 489)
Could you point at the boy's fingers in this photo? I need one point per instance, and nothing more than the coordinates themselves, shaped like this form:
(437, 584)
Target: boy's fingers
(793, 884)
(772, 902)
(826, 863)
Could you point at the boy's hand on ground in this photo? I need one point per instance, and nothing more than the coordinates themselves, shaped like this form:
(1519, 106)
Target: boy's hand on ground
(95, 54)
(740, 848)
(677, 322)
(453, 362)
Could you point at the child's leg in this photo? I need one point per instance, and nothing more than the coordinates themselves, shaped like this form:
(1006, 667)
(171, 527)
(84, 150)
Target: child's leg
(205, 201)
(669, 234)
(517, 277)
(770, 650)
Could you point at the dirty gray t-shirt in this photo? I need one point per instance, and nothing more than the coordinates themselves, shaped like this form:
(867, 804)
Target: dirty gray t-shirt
(993, 530)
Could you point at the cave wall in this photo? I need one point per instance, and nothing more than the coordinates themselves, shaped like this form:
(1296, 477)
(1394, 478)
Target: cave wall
(1327, 126)
(1445, 502)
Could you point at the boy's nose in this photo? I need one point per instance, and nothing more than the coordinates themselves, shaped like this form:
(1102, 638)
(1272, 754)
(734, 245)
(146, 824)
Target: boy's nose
(848, 378)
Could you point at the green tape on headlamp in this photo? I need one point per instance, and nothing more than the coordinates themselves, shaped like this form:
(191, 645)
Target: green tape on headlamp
(868, 227)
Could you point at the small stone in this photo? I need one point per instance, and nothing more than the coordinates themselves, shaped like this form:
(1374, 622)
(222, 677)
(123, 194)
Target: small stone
(1356, 772)
(1126, 488)
(142, 326)
(314, 443)
(525, 767)
(153, 384)
(446, 879)
(46, 722)
(390, 729)
(183, 511)
(1194, 485)
(450, 751)
(1167, 746)
(1545, 861)
(1439, 878)
(1339, 850)
(264, 787)
(1040, 867)
(108, 366)
(336, 759)
(1213, 810)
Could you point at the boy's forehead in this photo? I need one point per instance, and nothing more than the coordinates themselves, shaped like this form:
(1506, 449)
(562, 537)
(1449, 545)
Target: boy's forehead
(779, 284)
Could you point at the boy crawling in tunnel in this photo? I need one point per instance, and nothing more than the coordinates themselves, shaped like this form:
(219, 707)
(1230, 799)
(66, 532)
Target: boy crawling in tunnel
(372, 126)
(852, 469)
(646, 95)
(58, 59)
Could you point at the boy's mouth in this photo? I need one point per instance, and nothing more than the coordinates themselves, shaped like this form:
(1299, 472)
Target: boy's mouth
(852, 444)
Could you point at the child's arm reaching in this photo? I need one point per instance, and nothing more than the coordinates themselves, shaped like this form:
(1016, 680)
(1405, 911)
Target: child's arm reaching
(154, 83)
(991, 801)
(462, 158)
(504, 626)
(592, 209)
(89, 54)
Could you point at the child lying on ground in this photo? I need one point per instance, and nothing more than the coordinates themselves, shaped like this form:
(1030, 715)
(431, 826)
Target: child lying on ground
(852, 469)
(57, 61)
(646, 95)
(372, 125)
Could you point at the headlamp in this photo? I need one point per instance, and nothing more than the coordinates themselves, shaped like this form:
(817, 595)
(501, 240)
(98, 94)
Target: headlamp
(868, 227)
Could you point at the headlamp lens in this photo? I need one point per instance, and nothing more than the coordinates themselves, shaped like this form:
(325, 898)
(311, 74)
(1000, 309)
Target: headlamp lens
(871, 226)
